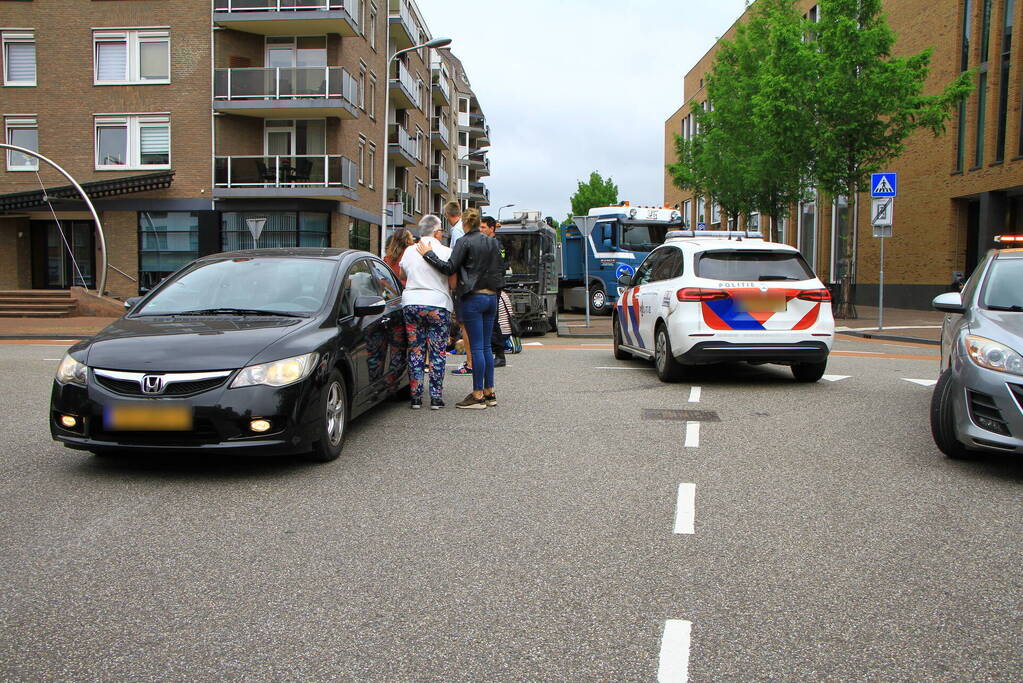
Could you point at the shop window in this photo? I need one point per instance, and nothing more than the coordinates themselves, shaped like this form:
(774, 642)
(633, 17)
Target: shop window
(168, 240)
(280, 229)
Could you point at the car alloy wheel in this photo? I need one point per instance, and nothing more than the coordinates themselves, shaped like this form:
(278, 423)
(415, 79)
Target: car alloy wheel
(335, 413)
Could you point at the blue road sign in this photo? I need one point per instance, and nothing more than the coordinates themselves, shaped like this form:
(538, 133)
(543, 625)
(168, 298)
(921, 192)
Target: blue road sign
(884, 185)
(624, 269)
(701, 226)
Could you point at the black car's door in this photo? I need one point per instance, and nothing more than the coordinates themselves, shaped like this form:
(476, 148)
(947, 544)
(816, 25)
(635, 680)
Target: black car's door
(366, 337)
(395, 374)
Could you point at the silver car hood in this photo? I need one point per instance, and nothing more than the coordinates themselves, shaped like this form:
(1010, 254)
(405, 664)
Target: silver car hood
(1001, 326)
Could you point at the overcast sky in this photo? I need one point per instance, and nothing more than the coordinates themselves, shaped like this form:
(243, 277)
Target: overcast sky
(577, 86)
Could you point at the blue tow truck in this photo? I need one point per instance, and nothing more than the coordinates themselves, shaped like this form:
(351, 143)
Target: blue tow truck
(621, 238)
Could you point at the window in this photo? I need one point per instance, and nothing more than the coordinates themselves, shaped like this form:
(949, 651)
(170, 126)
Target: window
(362, 86)
(701, 212)
(168, 240)
(753, 222)
(19, 58)
(420, 197)
(362, 160)
(137, 56)
(371, 165)
(133, 141)
(752, 266)
(371, 27)
(808, 230)
(670, 266)
(282, 229)
(964, 62)
(715, 213)
(843, 244)
(359, 235)
(386, 282)
(687, 213)
(1009, 11)
(371, 96)
(978, 151)
(22, 131)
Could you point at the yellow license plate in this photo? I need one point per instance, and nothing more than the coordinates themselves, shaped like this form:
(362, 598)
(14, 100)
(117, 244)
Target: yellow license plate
(132, 417)
(766, 304)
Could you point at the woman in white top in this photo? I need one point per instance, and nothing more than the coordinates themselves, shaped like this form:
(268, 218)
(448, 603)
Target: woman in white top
(427, 304)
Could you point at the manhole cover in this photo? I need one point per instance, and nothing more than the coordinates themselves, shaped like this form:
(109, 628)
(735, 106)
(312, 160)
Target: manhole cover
(681, 415)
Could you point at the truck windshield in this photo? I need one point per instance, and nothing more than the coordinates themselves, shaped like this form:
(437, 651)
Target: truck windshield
(521, 254)
(1004, 290)
(643, 237)
(755, 266)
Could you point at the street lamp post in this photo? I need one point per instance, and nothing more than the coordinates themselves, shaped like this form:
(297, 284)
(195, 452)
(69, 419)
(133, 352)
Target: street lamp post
(506, 206)
(436, 43)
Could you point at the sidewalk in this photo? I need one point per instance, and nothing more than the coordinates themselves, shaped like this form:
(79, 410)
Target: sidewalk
(75, 327)
(921, 327)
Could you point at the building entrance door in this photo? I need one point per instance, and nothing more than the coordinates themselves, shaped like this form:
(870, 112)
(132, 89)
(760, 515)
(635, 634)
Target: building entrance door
(63, 255)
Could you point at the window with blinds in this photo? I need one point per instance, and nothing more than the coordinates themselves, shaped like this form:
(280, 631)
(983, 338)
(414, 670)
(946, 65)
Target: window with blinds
(136, 141)
(19, 58)
(22, 131)
(131, 57)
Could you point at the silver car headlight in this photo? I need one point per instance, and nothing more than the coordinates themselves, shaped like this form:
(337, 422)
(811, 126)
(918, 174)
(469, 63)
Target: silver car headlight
(71, 371)
(992, 355)
(279, 373)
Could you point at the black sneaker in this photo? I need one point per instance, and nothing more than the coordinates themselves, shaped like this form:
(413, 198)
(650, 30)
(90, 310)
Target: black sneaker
(500, 362)
(417, 403)
(491, 399)
(470, 402)
(436, 404)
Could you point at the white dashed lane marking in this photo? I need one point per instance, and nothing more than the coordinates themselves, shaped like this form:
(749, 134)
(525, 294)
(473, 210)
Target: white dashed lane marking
(922, 382)
(685, 509)
(673, 665)
(694, 394)
(834, 378)
(619, 368)
(692, 435)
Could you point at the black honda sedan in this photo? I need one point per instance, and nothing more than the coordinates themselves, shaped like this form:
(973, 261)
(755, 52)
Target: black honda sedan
(268, 351)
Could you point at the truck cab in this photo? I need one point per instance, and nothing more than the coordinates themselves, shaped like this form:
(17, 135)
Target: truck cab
(620, 240)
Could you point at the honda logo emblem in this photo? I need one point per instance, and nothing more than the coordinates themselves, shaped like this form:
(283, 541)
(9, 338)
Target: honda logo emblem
(152, 384)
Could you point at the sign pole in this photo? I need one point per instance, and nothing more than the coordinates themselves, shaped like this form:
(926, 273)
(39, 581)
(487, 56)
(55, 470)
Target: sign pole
(884, 187)
(880, 292)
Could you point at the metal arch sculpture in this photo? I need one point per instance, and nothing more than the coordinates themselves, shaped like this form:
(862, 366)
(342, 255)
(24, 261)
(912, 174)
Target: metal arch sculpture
(92, 209)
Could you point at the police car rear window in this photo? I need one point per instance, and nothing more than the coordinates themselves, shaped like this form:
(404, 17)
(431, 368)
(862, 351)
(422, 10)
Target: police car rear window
(756, 266)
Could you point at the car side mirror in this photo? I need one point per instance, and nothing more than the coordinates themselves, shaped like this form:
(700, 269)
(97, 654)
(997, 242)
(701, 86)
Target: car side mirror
(625, 281)
(952, 302)
(132, 302)
(369, 305)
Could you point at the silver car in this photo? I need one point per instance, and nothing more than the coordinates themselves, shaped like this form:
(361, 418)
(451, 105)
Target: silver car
(978, 401)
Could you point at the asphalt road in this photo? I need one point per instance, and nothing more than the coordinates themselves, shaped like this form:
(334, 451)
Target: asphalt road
(535, 541)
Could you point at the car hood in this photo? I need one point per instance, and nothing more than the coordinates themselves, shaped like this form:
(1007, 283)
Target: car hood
(174, 344)
(1002, 326)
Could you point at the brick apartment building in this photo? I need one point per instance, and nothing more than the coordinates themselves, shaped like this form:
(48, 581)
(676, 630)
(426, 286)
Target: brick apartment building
(191, 122)
(955, 192)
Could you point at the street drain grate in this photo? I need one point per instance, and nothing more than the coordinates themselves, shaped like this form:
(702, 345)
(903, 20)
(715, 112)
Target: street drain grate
(681, 415)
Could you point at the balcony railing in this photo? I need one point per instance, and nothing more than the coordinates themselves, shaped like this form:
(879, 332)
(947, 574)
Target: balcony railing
(477, 120)
(441, 83)
(350, 6)
(407, 143)
(463, 186)
(296, 171)
(323, 82)
(410, 85)
(404, 13)
(408, 202)
(444, 135)
(441, 175)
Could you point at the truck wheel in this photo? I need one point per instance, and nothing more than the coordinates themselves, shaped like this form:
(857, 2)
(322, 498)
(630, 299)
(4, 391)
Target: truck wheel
(619, 353)
(599, 303)
(552, 322)
(668, 369)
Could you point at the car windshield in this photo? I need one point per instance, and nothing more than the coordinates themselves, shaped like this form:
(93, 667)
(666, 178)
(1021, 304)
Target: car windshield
(643, 237)
(270, 286)
(755, 266)
(521, 253)
(1004, 290)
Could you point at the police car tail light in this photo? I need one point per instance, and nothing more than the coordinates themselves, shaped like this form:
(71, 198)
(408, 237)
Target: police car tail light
(818, 295)
(696, 294)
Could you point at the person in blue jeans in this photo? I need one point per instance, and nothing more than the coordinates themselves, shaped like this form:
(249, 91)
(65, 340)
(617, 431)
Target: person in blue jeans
(476, 260)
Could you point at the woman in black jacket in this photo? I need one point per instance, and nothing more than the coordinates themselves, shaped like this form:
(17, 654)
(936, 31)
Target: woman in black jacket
(476, 259)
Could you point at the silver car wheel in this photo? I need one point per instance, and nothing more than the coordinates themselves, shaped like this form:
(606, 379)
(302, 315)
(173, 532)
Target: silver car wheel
(661, 350)
(335, 413)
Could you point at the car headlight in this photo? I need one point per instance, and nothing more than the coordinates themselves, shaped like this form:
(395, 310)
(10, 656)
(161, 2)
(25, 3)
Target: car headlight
(279, 373)
(992, 355)
(71, 371)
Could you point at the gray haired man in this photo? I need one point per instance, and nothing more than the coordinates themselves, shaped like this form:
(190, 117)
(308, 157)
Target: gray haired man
(431, 226)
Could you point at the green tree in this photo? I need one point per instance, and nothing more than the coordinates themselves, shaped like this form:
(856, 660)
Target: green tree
(596, 192)
(750, 154)
(867, 103)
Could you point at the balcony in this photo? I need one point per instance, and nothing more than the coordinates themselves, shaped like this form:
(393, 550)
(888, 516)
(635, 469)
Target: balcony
(474, 192)
(402, 148)
(402, 26)
(407, 201)
(483, 139)
(484, 169)
(300, 92)
(289, 17)
(477, 122)
(320, 176)
(441, 138)
(439, 181)
(405, 90)
(478, 162)
(441, 89)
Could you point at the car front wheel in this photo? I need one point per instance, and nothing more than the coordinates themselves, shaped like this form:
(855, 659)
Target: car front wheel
(943, 418)
(333, 423)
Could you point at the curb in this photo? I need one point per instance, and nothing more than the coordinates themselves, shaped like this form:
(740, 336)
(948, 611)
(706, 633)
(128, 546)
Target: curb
(44, 337)
(890, 337)
(564, 331)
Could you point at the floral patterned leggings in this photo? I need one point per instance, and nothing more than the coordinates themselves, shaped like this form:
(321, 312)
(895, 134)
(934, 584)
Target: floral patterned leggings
(427, 329)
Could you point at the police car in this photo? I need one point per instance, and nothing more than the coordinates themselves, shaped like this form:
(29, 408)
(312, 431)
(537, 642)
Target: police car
(717, 296)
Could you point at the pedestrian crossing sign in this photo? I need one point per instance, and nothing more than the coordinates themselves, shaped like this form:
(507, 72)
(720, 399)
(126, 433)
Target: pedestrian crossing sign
(883, 185)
